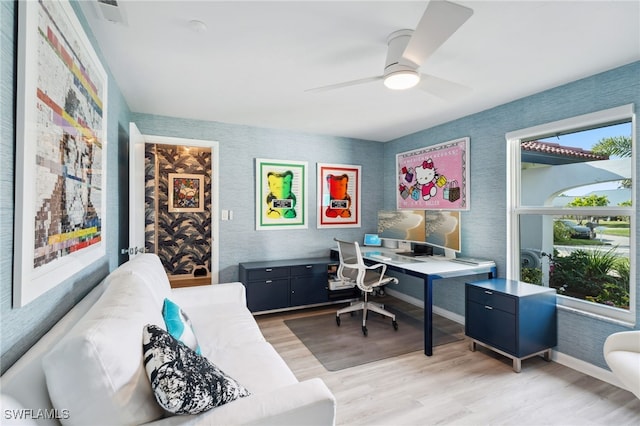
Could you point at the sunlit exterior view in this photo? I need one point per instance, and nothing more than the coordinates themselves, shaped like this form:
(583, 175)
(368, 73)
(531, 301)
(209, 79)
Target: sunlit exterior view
(576, 214)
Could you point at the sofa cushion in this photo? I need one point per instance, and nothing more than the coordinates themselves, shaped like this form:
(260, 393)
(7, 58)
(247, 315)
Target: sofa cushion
(179, 325)
(256, 365)
(15, 414)
(96, 371)
(149, 270)
(224, 324)
(183, 381)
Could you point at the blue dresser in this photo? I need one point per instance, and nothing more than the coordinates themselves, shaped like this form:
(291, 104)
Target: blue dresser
(513, 318)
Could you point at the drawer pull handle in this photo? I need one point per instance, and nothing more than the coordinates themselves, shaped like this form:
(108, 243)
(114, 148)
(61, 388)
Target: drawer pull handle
(488, 292)
(268, 282)
(268, 270)
(488, 307)
(309, 266)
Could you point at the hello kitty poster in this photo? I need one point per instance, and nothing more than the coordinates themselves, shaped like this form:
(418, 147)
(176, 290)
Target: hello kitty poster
(435, 177)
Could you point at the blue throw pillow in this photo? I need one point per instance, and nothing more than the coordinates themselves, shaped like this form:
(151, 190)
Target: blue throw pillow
(179, 325)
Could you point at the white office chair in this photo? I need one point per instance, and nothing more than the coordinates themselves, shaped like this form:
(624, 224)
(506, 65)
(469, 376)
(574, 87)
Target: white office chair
(622, 353)
(353, 269)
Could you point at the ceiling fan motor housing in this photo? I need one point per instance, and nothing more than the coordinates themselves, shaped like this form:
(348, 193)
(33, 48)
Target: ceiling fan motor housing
(399, 73)
(397, 43)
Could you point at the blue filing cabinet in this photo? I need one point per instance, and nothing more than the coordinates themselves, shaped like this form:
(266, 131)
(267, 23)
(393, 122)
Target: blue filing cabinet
(513, 318)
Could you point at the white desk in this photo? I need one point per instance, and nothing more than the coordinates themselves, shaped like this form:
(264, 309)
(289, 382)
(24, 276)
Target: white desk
(428, 268)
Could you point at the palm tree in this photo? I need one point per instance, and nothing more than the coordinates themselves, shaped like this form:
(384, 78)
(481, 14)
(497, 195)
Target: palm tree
(618, 146)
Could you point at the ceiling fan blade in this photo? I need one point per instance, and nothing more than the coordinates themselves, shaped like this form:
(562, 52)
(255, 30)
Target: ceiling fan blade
(444, 89)
(345, 84)
(440, 20)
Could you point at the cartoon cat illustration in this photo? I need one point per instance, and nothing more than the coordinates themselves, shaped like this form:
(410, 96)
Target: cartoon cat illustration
(426, 176)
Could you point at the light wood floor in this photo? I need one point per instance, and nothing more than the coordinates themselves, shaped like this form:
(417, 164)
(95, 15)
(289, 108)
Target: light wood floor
(456, 386)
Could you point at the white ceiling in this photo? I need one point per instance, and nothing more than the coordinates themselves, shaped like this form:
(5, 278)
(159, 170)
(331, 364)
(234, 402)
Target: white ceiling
(256, 59)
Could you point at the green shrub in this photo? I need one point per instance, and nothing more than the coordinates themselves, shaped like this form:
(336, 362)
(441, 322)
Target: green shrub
(561, 232)
(531, 275)
(598, 276)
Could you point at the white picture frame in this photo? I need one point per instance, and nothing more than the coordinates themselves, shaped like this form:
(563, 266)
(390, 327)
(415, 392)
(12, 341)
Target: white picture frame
(435, 177)
(281, 194)
(61, 141)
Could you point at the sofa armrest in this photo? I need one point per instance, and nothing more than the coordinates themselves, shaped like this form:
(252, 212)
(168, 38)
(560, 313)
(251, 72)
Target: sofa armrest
(207, 295)
(622, 354)
(304, 403)
(623, 341)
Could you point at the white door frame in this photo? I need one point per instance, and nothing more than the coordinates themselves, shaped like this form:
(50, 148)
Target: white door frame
(136, 190)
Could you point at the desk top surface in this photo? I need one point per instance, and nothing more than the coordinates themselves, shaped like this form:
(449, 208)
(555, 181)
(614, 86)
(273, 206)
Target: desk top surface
(427, 265)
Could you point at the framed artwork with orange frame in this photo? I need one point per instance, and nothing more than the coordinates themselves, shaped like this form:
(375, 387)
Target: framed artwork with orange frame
(339, 187)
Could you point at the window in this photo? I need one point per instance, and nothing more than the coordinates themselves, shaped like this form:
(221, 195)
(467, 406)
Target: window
(572, 213)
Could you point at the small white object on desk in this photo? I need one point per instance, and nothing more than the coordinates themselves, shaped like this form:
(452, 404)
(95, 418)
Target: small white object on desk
(378, 256)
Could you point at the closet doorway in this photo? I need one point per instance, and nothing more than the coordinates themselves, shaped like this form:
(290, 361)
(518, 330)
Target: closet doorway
(173, 205)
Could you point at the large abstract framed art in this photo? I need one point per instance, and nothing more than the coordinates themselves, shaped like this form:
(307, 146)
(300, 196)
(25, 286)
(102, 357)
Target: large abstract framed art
(281, 191)
(338, 196)
(435, 177)
(61, 130)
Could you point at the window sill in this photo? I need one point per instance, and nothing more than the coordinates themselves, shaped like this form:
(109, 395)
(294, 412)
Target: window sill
(599, 317)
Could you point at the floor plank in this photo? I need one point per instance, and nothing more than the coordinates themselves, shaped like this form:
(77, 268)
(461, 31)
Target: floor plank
(455, 386)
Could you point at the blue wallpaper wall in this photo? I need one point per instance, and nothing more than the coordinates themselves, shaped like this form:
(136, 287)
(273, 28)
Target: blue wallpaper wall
(20, 328)
(484, 226)
(239, 146)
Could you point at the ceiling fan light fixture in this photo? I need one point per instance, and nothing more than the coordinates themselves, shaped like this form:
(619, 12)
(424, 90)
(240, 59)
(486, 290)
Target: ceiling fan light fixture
(401, 80)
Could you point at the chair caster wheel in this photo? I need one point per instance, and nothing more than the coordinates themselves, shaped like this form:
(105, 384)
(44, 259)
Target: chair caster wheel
(338, 320)
(365, 331)
(395, 325)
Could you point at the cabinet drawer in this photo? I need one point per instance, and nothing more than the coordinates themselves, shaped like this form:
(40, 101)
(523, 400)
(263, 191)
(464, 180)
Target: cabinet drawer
(306, 290)
(310, 269)
(267, 273)
(492, 298)
(267, 294)
(492, 326)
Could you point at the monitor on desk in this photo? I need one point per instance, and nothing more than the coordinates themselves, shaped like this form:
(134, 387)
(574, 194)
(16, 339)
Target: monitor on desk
(432, 227)
(372, 240)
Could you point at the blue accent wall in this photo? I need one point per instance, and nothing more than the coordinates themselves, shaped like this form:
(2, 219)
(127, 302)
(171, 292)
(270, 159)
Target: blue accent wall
(239, 147)
(21, 327)
(484, 226)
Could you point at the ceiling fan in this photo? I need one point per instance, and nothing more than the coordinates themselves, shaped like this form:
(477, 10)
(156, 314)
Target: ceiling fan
(408, 49)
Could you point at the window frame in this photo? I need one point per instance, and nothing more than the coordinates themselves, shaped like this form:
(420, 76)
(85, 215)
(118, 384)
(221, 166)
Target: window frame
(515, 209)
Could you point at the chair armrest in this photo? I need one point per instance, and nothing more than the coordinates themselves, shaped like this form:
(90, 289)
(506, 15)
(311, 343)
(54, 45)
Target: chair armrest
(305, 403)
(206, 295)
(383, 271)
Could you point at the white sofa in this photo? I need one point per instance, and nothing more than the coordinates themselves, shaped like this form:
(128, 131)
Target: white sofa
(88, 369)
(622, 353)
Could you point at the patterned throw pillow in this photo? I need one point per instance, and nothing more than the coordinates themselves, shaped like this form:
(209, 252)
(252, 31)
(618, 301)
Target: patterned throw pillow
(179, 325)
(184, 382)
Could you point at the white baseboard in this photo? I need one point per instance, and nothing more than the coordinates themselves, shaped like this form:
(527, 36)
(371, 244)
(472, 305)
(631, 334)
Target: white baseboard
(586, 368)
(564, 359)
(419, 303)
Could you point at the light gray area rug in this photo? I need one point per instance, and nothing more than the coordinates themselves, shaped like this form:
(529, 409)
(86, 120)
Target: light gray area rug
(344, 346)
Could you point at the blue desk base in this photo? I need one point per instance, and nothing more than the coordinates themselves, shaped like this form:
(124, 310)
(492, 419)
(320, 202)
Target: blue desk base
(428, 299)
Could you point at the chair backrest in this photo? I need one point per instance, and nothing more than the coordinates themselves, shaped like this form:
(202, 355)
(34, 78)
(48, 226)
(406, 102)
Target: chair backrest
(353, 268)
(350, 260)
